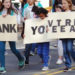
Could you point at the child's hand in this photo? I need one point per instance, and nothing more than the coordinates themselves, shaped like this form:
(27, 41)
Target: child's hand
(23, 36)
(4, 15)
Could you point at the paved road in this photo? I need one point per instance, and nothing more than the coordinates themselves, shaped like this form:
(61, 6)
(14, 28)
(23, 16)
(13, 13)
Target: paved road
(34, 68)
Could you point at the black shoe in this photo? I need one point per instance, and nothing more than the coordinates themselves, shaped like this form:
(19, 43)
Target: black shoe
(67, 69)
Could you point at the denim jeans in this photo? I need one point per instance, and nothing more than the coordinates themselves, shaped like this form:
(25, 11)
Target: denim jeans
(34, 45)
(43, 52)
(27, 51)
(68, 51)
(13, 49)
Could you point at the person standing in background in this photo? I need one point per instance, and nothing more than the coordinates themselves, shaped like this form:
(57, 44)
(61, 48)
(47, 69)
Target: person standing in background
(58, 8)
(55, 3)
(43, 48)
(68, 42)
(27, 15)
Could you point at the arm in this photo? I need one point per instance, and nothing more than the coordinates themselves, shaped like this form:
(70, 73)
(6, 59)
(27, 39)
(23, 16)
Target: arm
(22, 34)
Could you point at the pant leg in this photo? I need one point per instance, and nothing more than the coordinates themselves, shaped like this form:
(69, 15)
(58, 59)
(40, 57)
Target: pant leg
(27, 51)
(2, 54)
(39, 50)
(45, 53)
(33, 47)
(60, 48)
(15, 51)
(66, 54)
(70, 49)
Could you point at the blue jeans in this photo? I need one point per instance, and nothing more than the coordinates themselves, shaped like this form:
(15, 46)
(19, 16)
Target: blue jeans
(29, 47)
(34, 45)
(27, 51)
(13, 49)
(43, 52)
(68, 51)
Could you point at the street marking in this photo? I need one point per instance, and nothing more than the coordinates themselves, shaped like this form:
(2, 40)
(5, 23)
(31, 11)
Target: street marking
(36, 74)
(58, 72)
(44, 72)
(54, 73)
(73, 68)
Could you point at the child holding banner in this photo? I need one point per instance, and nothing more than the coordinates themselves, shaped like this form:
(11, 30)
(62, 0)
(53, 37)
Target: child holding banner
(43, 48)
(24, 5)
(5, 10)
(58, 8)
(34, 46)
(28, 14)
(68, 43)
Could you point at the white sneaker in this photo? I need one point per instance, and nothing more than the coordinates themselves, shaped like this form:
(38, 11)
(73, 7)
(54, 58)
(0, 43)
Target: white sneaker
(45, 68)
(59, 61)
(64, 60)
(31, 53)
(6, 53)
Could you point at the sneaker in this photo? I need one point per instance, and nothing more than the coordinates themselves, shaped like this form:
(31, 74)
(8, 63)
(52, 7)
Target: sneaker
(55, 45)
(31, 53)
(6, 53)
(2, 70)
(64, 60)
(59, 61)
(21, 64)
(45, 68)
(67, 69)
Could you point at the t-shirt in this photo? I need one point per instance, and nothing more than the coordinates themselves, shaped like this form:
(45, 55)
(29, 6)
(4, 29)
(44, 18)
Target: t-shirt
(28, 12)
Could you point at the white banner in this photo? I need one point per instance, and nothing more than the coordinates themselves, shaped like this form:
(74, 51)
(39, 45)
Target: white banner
(8, 28)
(59, 25)
(35, 31)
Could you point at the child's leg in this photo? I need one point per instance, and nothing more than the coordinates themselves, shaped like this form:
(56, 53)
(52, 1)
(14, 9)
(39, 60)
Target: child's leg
(66, 54)
(60, 52)
(2, 54)
(27, 52)
(45, 54)
(32, 52)
(39, 50)
(17, 53)
(60, 48)
(70, 48)
(33, 47)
